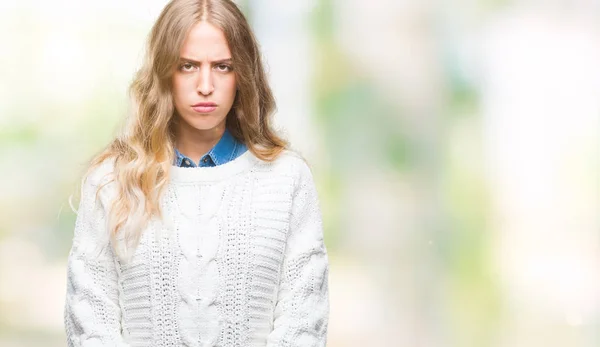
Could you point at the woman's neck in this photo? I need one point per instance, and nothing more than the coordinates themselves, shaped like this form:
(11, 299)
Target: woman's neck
(194, 143)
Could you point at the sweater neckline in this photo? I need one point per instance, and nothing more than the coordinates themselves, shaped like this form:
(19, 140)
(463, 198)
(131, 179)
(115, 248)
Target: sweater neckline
(214, 173)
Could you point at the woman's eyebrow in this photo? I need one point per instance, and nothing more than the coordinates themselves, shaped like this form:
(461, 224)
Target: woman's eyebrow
(226, 60)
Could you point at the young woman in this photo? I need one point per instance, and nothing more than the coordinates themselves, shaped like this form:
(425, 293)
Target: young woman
(197, 226)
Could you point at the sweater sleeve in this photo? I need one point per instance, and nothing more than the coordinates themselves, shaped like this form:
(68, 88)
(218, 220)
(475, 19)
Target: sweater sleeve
(302, 308)
(92, 314)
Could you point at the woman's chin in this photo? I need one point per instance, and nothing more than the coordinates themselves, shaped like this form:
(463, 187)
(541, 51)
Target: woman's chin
(204, 123)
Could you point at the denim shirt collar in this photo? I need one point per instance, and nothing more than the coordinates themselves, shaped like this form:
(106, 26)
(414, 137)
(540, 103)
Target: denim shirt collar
(227, 149)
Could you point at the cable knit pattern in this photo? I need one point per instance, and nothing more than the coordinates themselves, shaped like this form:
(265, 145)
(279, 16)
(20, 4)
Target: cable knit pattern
(238, 259)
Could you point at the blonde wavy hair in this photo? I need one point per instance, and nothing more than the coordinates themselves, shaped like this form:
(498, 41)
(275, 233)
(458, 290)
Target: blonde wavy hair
(143, 153)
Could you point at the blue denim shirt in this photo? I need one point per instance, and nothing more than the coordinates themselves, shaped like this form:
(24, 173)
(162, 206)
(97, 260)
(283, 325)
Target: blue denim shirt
(227, 149)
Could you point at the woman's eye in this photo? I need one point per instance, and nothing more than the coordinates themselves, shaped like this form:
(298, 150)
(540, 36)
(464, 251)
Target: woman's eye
(187, 67)
(223, 68)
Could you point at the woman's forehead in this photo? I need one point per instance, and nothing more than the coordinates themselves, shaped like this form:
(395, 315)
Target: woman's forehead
(205, 41)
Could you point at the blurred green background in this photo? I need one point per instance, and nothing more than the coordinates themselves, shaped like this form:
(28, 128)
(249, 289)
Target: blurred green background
(455, 145)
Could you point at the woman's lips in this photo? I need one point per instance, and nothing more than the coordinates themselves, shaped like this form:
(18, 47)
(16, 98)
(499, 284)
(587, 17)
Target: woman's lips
(204, 107)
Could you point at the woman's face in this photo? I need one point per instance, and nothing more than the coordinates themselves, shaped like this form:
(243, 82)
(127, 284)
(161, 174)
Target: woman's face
(204, 83)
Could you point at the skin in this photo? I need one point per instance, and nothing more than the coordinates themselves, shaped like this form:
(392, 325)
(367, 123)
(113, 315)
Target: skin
(204, 74)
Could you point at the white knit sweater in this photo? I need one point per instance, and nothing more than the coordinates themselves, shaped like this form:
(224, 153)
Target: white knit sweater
(238, 259)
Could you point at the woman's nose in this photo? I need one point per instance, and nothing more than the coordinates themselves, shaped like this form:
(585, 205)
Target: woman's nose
(205, 85)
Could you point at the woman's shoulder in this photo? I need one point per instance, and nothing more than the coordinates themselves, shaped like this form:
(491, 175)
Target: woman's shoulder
(99, 179)
(100, 173)
(289, 163)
